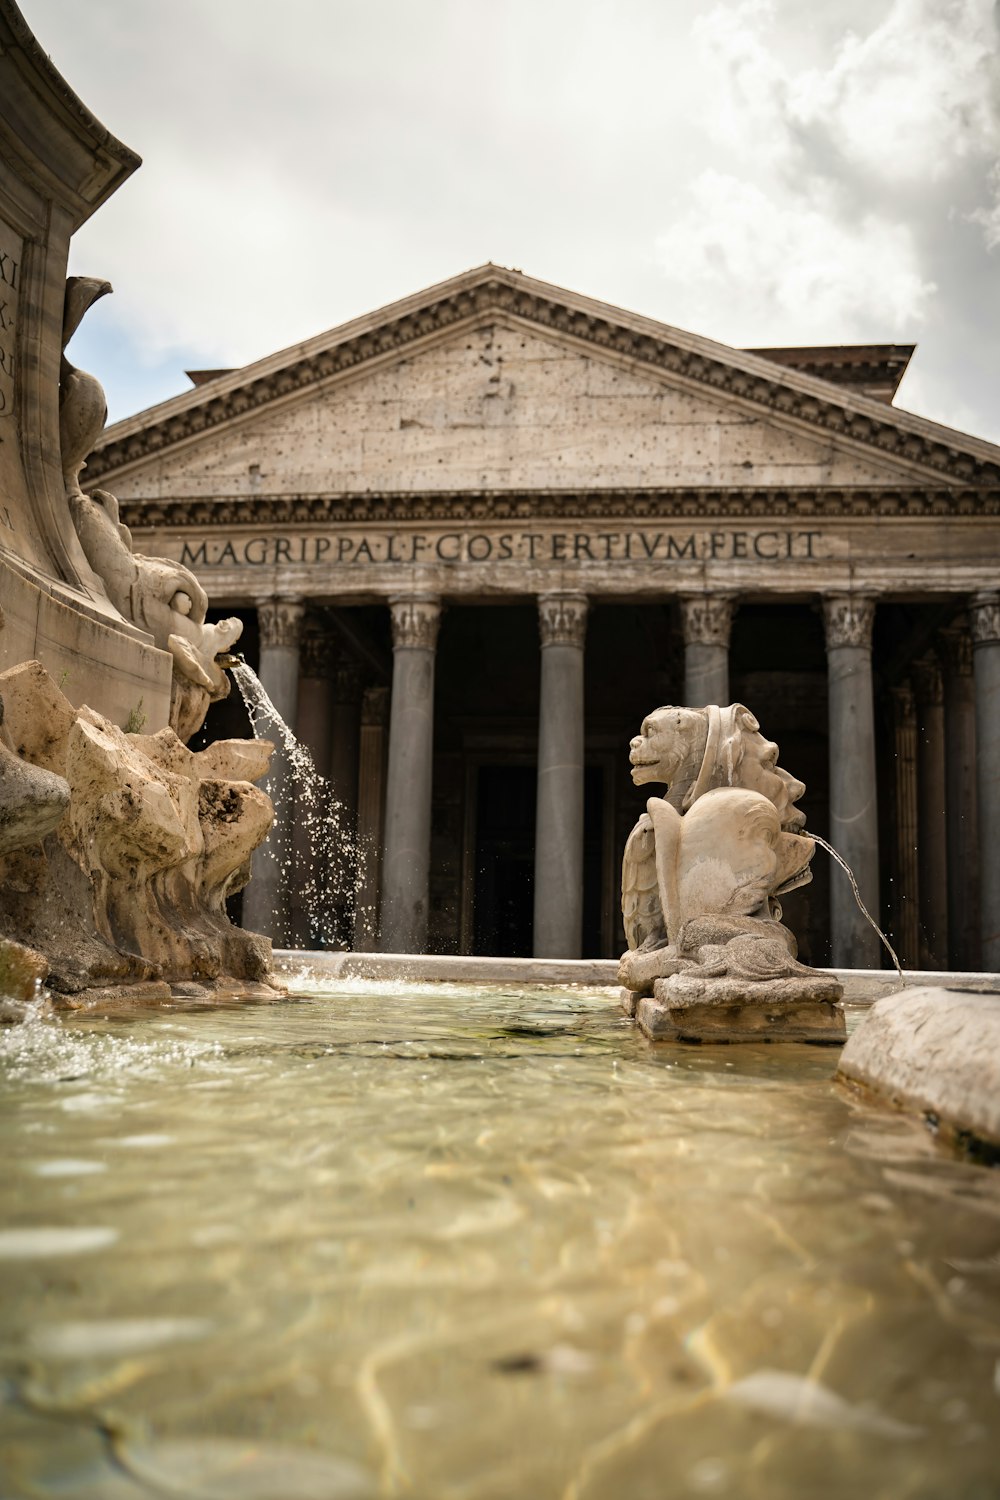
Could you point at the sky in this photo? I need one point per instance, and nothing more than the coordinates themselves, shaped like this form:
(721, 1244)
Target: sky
(763, 172)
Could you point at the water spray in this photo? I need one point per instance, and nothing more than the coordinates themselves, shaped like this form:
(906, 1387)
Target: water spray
(857, 896)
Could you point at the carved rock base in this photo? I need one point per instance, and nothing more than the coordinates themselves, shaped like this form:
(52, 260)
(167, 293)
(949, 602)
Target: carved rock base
(803, 1009)
(130, 886)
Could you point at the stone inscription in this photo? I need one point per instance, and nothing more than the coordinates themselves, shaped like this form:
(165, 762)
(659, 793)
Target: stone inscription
(470, 546)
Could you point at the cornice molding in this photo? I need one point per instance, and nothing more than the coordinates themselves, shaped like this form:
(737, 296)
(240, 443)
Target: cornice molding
(802, 398)
(813, 503)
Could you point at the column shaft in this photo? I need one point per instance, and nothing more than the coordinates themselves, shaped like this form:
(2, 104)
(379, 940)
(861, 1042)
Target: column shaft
(265, 900)
(985, 620)
(932, 842)
(309, 858)
(558, 913)
(345, 745)
(962, 831)
(371, 814)
(906, 887)
(853, 808)
(707, 621)
(407, 855)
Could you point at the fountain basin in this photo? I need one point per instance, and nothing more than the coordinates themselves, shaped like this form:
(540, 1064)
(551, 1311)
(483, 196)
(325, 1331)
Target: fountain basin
(390, 1237)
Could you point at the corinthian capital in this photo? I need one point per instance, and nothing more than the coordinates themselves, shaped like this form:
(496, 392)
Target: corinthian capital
(319, 654)
(375, 707)
(984, 617)
(956, 646)
(708, 619)
(848, 619)
(928, 683)
(562, 619)
(415, 621)
(280, 622)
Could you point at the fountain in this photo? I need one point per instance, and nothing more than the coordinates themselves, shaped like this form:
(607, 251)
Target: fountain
(304, 1249)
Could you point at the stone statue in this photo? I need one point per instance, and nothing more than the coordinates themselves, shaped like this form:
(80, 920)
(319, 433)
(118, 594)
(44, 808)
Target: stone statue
(707, 955)
(158, 595)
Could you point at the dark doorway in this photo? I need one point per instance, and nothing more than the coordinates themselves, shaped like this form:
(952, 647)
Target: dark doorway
(504, 888)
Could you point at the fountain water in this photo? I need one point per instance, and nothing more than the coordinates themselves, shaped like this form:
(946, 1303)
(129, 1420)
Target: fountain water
(333, 852)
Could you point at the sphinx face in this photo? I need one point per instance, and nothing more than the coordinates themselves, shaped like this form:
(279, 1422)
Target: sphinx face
(760, 772)
(665, 741)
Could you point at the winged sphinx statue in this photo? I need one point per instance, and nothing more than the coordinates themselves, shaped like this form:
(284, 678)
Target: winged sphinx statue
(703, 871)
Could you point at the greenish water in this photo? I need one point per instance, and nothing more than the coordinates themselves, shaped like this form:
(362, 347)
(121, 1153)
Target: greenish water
(436, 1242)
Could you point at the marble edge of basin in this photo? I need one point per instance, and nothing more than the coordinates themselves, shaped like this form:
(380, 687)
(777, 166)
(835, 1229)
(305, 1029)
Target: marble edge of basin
(936, 1052)
(861, 986)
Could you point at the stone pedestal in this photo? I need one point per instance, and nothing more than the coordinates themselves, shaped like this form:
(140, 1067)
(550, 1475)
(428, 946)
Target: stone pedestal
(407, 850)
(707, 621)
(558, 919)
(783, 1010)
(848, 619)
(962, 832)
(266, 899)
(984, 618)
(932, 844)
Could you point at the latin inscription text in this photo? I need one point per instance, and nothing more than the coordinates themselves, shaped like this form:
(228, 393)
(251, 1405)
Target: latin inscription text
(415, 547)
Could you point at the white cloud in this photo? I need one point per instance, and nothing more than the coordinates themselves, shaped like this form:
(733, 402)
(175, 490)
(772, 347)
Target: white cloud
(915, 96)
(751, 267)
(908, 100)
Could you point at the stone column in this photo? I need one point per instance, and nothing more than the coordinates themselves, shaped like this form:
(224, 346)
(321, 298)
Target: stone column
(558, 921)
(984, 617)
(932, 845)
(707, 620)
(853, 809)
(407, 849)
(371, 813)
(345, 736)
(312, 729)
(265, 900)
(962, 830)
(906, 886)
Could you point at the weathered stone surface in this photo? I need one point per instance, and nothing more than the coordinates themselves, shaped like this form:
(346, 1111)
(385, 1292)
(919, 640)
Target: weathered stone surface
(729, 1010)
(32, 800)
(933, 1051)
(57, 165)
(131, 888)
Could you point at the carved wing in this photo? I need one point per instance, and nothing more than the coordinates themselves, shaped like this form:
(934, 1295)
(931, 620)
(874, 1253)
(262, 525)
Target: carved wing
(641, 911)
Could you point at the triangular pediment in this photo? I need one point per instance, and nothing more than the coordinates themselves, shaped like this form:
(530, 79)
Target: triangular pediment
(494, 381)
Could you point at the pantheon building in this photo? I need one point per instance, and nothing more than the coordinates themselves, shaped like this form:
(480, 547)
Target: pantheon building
(477, 535)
